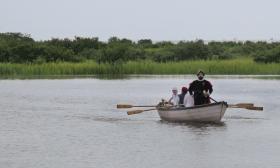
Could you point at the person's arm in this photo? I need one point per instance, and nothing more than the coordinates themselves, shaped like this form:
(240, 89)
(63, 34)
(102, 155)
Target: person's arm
(188, 101)
(185, 100)
(175, 100)
(191, 88)
(210, 87)
(169, 101)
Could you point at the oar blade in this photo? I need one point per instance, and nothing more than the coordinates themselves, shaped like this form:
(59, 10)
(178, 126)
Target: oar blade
(134, 112)
(241, 105)
(124, 106)
(255, 108)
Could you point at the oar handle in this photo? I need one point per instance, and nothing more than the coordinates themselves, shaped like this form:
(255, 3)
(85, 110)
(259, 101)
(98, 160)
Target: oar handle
(213, 99)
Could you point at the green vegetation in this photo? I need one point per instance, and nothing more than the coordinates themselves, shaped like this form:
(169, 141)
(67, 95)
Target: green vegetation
(237, 66)
(22, 55)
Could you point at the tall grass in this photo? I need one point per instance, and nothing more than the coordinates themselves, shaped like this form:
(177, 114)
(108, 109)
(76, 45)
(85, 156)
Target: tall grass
(236, 66)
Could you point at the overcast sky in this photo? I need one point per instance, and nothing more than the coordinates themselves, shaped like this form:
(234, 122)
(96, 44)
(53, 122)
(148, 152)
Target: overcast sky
(136, 19)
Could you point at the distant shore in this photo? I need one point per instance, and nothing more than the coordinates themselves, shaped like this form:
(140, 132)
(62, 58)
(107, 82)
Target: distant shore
(211, 67)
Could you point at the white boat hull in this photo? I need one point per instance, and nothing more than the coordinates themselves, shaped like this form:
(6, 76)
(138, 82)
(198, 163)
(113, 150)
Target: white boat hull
(203, 113)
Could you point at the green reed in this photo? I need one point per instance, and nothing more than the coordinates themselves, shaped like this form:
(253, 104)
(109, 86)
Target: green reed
(235, 66)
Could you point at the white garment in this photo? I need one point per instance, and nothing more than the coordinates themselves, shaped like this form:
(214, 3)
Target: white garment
(175, 100)
(188, 100)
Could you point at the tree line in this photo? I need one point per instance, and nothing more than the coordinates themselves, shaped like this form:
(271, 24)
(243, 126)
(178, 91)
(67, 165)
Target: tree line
(22, 48)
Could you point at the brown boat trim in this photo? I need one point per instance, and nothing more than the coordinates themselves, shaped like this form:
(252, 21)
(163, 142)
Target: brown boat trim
(194, 107)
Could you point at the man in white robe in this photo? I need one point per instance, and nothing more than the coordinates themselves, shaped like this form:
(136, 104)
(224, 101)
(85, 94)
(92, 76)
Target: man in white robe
(174, 100)
(188, 100)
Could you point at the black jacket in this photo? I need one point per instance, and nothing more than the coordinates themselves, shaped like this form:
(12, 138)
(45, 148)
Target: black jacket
(197, 87)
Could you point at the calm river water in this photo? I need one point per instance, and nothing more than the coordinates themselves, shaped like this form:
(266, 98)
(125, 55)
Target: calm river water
(73, 123)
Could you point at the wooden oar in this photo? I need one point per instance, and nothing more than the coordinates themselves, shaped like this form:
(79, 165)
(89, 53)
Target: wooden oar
(241, 105)
(130, 106)
(138, 111)
(213, 99)
(248, 107)
(255, 108)
(238, 105)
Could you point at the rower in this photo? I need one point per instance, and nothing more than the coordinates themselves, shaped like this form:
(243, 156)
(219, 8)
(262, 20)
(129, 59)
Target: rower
(174, 100)
(201, 89)
(184, 91)
(188, 100)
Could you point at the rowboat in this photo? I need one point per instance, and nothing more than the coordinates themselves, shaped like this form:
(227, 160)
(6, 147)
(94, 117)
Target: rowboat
(213, 112)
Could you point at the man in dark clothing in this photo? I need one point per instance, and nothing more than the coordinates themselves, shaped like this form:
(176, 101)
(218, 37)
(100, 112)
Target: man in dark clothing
(184, 91)
(201, 89)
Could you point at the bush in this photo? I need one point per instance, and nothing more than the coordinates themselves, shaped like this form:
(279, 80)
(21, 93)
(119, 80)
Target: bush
(23, 53)
(191, 50)
(163, 55)
(134, 53)
(268, 56)
(114, 53)
(4, 54)
(54, 54)
(21, 48)
(91, 54)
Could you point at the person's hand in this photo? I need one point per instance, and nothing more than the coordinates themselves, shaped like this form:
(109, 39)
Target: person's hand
(206, 94)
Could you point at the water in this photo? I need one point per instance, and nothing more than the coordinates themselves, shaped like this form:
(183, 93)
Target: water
(73, 123)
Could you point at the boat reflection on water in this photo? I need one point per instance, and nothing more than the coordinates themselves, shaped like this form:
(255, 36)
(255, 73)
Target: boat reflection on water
(193, 124)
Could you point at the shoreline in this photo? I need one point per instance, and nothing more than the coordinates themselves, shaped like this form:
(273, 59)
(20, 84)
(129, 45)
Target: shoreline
(136, 76)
